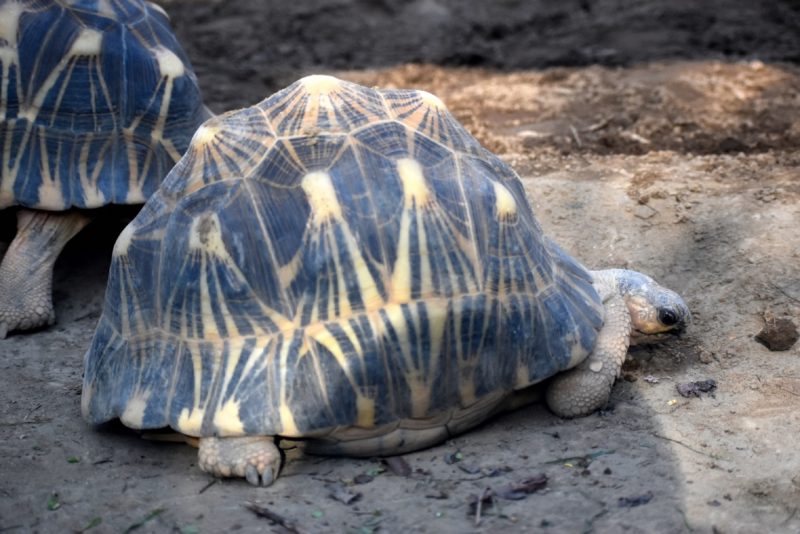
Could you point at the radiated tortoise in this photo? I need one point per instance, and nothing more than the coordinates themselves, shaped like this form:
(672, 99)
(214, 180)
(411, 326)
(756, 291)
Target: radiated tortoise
(349, 267)
(97, 103)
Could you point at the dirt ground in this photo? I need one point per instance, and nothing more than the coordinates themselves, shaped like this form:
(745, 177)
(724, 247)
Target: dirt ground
(675, 154)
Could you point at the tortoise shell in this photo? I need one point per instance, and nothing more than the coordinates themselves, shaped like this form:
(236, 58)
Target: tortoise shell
(333, 257)
(98, 102)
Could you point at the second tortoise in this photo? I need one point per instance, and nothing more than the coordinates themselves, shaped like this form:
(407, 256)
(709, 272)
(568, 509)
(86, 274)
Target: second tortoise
(97, 102)
(350, 267)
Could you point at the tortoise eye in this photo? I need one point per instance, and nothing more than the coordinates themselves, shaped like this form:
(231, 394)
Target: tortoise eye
(667, 317)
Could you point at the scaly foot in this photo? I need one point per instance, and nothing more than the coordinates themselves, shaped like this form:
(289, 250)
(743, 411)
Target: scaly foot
(256, 458)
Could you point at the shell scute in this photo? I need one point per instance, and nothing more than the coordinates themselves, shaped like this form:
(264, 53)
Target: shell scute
(426, 114)
(322, 104)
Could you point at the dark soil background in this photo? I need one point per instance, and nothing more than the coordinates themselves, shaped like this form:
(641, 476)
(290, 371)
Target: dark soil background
(243, 50)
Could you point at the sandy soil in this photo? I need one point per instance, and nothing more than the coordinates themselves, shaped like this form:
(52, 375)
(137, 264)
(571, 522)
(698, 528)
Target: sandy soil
(686, 169)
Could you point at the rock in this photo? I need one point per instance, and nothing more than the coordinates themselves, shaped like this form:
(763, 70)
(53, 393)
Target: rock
(778, 333)
(731, 144)
(706, 356)
(694, 389)
(637, 500)
(643, 211)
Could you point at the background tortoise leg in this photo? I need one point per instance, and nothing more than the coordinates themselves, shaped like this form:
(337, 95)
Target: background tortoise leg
(26, 272)
(255, 458)
(587, 387)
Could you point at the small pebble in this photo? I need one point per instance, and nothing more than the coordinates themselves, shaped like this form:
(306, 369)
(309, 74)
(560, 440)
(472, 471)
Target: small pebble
(694, 389)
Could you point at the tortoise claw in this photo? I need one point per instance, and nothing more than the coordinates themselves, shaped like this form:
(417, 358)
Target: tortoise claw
(265, 478)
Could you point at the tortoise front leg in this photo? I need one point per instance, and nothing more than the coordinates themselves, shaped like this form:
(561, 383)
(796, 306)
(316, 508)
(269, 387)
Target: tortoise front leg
(256, 458)
(587, 387)
(26, 272)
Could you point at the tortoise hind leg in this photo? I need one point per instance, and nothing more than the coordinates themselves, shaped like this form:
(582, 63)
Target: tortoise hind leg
(26, 272)
(256, 458)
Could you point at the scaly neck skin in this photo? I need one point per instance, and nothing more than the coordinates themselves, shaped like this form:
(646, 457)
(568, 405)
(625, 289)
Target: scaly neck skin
(606, 282)
(624, 282)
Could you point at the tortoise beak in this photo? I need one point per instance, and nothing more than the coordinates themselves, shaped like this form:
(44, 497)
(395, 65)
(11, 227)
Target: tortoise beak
(641, 338)
(680, 328)
(683, 325)
(678, 331)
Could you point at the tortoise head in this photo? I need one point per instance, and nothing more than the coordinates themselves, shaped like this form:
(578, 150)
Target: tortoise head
(654, 309)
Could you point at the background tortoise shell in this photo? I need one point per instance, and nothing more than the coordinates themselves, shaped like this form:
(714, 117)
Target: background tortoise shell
(335, 256)
(98, 102)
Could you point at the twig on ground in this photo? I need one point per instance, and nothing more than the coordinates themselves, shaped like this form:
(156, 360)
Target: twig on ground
(654, 434)
(266, 513)
(597, 126)
(479, 505)
(20, 423)
(204, 488)
(587, 457)
(783, 292)
(146, 519)
(789, 391)
(576, 136)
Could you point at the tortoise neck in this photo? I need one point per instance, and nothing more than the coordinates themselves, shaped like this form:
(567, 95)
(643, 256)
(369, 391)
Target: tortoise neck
(623, 282)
